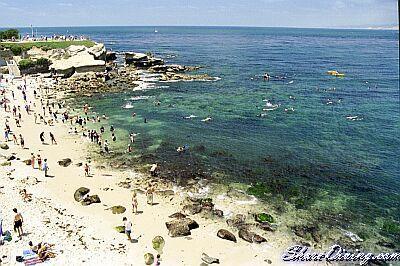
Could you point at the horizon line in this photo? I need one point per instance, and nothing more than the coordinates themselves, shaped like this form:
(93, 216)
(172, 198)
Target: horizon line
(376, 27)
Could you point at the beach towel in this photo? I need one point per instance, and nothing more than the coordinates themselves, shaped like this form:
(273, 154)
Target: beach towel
(32, 261)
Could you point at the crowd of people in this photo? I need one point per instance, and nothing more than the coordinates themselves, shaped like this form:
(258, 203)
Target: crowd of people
(47, 114)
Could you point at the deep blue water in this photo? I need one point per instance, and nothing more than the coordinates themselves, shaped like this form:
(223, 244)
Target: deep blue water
(315, 149)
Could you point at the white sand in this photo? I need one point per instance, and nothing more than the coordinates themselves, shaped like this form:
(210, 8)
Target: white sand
(92, 225)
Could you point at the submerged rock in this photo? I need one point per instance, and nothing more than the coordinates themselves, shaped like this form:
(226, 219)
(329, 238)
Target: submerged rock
(181, 227)
(225, 234)
(304, 230)
(80, 193)
(209, 260)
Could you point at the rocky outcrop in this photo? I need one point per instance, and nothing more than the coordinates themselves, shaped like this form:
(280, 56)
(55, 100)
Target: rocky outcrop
(225, 234)
(172, 76)
(80, 193)
(81, 62)
(111, 56)
(142, 60)
(181, 227)
(98, 51)
(172, 68)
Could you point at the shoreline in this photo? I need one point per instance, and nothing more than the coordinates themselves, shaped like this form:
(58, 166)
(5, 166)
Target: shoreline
(98, 234)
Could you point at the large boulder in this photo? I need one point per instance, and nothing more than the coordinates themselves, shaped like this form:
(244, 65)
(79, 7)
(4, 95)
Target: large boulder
(251, 237)
(177, 215)
(192, 208)
(118, 209)
(111, 56)
(181, 227)
(225, 234)
(98, 51)
(65, 162)
(80, 193)
(148, 258)
(209, 260)
(4, 146)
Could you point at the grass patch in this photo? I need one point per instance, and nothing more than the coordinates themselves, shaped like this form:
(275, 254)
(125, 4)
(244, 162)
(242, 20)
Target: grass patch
(17, 48)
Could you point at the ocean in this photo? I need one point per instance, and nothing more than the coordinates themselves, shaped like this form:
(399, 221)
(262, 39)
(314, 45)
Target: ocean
(330, 145)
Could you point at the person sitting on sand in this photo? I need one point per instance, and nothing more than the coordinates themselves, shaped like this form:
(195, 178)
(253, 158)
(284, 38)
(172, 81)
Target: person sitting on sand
(25, 196)
(18, 220)
(134, 202)
(128, 228)
(149, 194)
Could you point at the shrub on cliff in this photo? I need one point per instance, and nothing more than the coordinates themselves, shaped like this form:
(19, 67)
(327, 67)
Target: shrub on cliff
(9, 34)
(26, 63)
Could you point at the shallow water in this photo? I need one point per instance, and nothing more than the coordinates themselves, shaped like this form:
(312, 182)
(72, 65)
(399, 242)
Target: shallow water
(315, 156)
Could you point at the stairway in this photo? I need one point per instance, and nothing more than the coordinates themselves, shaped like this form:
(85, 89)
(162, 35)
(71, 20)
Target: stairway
(13, 68)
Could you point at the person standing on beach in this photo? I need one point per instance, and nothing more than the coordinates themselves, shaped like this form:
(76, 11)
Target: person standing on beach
(41, 136)
(35, 115)
(134, 202)
(53, 139)
(128, 228)
(39, 162)
(87, 169)
(33, 158)
(149, 194)
(45, 167)
(18, 220)
(22, 141)
(106, 149)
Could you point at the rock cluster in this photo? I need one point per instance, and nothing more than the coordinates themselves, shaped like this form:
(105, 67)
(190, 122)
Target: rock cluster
(82, 195)
(142, 60)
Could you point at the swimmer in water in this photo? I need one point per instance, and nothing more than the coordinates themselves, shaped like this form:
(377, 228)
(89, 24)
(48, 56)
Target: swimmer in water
(208, 119)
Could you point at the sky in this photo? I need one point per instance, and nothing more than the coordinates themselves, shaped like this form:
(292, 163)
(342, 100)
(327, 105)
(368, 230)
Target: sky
(264, 13)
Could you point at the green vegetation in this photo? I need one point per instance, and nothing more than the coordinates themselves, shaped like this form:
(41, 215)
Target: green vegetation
(391, 227)
(28, 63)
(18, 47)
(9, 34)
(265, 217)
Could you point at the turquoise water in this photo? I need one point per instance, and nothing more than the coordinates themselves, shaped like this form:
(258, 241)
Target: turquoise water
(314, 156)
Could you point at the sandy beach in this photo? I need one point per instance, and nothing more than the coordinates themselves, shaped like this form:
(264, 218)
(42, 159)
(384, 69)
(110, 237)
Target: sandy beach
(86, 234)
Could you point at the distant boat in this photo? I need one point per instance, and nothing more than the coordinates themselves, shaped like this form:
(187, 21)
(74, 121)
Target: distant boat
(155, 30)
